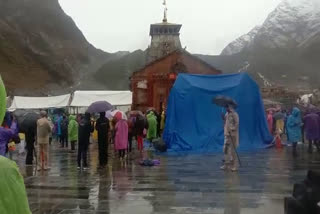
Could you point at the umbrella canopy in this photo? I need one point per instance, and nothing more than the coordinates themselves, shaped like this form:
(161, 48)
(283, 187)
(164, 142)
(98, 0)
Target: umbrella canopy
(136, 113)
(278, 116)
(110, 114)
(224, 101)
(272, 109)
(99, 106)
(26, 120)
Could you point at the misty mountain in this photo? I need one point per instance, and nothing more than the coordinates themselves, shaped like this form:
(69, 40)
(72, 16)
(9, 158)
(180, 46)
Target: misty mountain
(41, 49)
(285, 49)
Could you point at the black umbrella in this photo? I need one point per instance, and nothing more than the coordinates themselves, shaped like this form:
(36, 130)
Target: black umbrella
(279, 116)
(224, 101)
(27, 121)
(100, 106)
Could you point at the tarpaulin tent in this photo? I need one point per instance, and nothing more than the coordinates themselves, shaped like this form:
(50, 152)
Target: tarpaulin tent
(40, 102)
(122, 100)
(194, 123)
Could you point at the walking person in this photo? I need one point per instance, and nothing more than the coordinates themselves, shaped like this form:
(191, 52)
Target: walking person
(102, 126)
(231, 139)
(73, 131)
(294, 124)
(312, 127)
(43, 134)
(121, 137)
(85, 129)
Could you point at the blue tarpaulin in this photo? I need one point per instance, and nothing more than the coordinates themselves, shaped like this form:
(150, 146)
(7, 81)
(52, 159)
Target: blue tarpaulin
(194, 123)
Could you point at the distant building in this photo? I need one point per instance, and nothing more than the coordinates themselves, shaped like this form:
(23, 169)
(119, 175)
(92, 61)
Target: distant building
(151, 85)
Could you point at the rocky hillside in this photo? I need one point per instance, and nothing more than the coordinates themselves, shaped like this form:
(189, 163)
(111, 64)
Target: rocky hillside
(41, 49)
(115, 73)
(284, 50)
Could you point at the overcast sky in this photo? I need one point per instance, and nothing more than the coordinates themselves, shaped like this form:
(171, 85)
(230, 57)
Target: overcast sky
(208, 25)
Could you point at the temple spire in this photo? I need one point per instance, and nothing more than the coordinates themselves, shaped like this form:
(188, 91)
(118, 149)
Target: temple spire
(165, 19)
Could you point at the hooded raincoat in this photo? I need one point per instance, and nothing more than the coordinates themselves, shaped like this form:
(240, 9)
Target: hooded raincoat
(72, 128)
(5, 136)
(152, 126)
(121, 138)
(13, 196)
(312, 126)
(294, 124)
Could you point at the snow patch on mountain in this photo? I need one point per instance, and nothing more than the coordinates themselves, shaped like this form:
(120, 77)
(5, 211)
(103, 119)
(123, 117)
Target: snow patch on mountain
(242, 42)
(294, 23)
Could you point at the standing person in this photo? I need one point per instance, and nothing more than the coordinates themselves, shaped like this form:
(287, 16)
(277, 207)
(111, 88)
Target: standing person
(52, 128)
(85, 129)
(162, 122)
(72, 131)
(102, 126)
(152, 126)
(270, 121)
(58, 127)
(312, 127)
(64, 132)
(131, 131)
(231, 139)
(279, 119)
(43, 134)
(5, 135)
(121, 137)
(140, 125)
(30, 137)
(294, 124)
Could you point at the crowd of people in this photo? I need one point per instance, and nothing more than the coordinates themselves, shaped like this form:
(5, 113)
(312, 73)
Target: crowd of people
(295, 126)
(121, 130)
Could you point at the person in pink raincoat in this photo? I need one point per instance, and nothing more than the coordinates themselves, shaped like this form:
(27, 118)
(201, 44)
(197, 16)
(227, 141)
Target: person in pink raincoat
(121, 136)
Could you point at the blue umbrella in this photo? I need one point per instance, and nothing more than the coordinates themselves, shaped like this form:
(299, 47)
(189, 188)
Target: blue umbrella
(99, 106)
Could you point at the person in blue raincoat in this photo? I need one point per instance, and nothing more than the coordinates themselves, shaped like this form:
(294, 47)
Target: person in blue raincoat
(294, 124)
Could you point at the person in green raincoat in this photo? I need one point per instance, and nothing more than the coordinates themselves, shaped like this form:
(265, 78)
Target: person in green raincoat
(152, 126)
(73, 131)
(13, 196)
(3, 101)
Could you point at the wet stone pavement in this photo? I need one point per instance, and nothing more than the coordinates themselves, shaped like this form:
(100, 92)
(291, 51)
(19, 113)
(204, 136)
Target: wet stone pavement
(181, 184)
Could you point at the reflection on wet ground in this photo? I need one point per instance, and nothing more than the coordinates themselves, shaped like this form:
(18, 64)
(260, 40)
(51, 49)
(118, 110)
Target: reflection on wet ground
(181, 184)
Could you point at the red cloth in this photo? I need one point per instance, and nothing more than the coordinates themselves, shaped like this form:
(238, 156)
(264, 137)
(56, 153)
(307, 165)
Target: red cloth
(140, 142)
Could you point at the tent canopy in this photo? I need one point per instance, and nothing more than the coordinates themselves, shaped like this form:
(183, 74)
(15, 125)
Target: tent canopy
(40, 102)
(194, 123)
(116, 98)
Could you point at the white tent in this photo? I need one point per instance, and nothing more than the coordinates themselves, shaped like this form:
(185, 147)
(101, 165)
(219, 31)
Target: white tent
(40, 102)
(122, 100)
